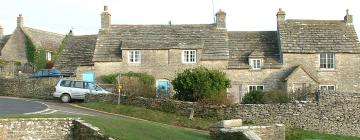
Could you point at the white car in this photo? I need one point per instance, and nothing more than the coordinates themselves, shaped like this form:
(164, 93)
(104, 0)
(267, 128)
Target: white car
(67, 90)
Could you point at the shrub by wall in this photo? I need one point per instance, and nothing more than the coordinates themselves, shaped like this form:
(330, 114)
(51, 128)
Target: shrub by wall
(133, 84)
(200, 84)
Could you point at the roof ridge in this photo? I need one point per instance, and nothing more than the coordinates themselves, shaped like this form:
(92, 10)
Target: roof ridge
(43, 31)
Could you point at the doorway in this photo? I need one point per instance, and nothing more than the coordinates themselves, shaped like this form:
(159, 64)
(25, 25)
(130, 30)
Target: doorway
(162, 88)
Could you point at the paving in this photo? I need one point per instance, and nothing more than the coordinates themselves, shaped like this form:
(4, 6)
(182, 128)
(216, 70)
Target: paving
(19, 106)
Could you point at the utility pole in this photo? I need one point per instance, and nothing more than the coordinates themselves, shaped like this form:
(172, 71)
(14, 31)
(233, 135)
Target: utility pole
(119, 88)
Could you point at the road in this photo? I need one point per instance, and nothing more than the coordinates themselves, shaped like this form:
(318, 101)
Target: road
(9, 105)
(17, 106)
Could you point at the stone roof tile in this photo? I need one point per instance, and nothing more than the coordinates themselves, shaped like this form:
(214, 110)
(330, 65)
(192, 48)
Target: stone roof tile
(314, 36)
(206, 36)
(78, 51)
(44, 39)
(261, 43)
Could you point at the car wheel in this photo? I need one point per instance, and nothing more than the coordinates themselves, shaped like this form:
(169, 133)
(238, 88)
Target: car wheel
(65, 98)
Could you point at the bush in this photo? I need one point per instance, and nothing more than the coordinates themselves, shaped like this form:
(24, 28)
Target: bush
(133, 84)
(266, 97)
(254, 97)
(200, 84)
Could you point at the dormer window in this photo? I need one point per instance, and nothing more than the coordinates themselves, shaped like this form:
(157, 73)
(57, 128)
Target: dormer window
(255, 64)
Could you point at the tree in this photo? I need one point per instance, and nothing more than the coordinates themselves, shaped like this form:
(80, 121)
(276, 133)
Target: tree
(200, 84)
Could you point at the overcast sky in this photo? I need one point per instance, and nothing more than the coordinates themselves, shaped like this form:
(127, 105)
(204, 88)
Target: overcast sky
(242, 15)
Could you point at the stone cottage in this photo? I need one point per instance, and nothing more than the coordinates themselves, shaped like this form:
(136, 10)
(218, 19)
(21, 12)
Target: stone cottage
(300, 54)
(13, 47)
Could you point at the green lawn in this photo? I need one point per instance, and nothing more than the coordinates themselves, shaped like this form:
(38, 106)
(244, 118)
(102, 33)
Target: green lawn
(152, 115)
(130, 129)
(173, 119)
(299, 134)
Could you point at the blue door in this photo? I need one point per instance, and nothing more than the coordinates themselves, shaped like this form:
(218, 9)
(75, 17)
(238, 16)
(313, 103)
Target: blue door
(88, 76)
(162, 87)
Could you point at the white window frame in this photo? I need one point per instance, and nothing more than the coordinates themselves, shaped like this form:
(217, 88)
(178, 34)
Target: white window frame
(132, 54)
(186, 56)
(327, 59)
(48, 56)
(257, 65)
(327, 87)
(256, 86)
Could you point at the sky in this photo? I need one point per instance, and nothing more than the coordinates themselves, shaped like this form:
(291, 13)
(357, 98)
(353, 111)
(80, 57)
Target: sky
(83, 16)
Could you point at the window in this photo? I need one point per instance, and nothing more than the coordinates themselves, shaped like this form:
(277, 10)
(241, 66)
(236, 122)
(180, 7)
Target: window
(255, 87)
(89, 85)
(48, 56)
(78, 84)
(134, 56)
(189, 56)
(255, 63)
(327, 87)
(327, 60)
(65, 83)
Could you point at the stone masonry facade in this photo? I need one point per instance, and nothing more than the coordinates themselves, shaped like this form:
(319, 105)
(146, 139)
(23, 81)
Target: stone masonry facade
(289, 58)
(300, 54)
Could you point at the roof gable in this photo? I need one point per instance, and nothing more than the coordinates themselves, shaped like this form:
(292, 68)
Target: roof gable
(298, 70)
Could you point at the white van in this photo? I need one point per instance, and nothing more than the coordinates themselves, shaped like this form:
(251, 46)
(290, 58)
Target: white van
(67, 90)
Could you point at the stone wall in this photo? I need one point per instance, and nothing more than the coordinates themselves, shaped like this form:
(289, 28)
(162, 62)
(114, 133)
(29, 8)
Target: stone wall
(337, 113)
(233, 129)
(49, 128)
(85, 131)
(28, 88)
(36, 128)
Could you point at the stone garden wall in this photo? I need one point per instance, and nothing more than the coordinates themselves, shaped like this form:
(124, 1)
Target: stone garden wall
(48, 128)
(28, 87)
(337, 113)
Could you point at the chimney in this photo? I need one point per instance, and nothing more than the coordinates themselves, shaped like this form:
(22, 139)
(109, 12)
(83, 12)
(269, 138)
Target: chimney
(280, 15)
(105, 19)
(220, 19)
(20, 21)
(1, 32)
(348, 19)
(71, 33)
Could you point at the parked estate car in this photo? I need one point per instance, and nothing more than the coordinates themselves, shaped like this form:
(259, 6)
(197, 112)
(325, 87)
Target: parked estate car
(67, 90)
(50, 73)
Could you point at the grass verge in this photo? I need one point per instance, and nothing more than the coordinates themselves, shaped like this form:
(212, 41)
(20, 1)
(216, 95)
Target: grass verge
(300, 134)
(151, 115)
(199, 123)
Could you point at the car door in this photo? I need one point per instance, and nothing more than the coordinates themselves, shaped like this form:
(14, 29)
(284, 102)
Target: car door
(78, 90)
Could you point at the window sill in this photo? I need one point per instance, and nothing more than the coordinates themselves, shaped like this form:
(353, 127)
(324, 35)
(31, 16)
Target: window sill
(189, 63)
(255, 69)
(327, 70)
